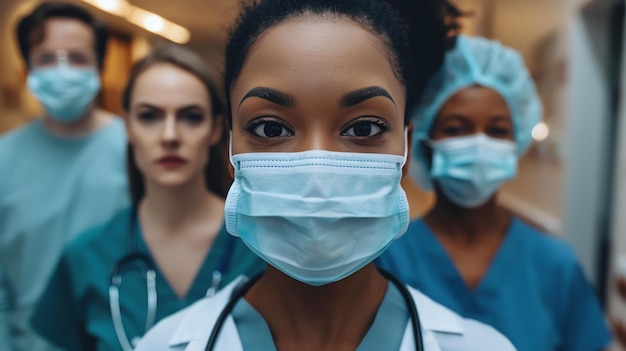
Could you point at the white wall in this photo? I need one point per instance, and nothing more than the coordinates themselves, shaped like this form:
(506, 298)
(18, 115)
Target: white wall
(587, 126)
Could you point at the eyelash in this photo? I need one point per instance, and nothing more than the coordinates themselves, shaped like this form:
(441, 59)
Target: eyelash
(147, 116)
(252, 126)
(193, 117)
(378, 122)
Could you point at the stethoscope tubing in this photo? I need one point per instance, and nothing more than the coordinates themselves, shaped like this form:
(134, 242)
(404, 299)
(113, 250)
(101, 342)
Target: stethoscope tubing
(115, 281)
(241, 291)
(125, 264)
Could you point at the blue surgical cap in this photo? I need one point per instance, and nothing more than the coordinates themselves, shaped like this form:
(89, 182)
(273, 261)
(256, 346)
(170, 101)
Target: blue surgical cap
(483, 62)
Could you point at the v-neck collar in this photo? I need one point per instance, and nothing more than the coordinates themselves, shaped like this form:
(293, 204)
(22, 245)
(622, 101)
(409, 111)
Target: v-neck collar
(496, 272)
(387, 329)
(203, 279)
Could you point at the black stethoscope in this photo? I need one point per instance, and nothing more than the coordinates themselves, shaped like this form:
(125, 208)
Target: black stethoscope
(239, 293)
(138, 261)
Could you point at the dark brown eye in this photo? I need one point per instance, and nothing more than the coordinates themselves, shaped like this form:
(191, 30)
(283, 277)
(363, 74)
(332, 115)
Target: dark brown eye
(269, 130)
(147, 116)
(453, 130)
(499, 132)
(194, 117)
(365, 129)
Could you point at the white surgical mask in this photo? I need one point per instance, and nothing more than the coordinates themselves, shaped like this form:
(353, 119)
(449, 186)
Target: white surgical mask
(470, 169)
(317, 216)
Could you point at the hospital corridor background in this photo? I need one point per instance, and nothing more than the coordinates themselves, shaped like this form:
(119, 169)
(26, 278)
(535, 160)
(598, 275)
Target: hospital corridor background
(571, 184)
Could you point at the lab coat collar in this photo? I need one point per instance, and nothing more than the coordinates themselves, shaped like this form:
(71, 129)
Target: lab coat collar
(202, 315)
(197, 324)
(435, 317)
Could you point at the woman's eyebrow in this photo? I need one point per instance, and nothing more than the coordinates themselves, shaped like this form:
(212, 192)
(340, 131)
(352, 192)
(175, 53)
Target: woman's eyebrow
(272, 95)
(191, 107)
(356, 97)
(498, 118)
(148, 106)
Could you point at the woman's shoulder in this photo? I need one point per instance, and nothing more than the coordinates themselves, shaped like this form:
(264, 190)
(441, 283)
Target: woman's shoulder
(550, 249)
(414, 236)
(406, 253)
(455, 333)
(112, 230)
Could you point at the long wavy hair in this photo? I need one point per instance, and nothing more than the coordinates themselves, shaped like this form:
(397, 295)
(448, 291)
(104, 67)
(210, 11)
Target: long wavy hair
(217, 178)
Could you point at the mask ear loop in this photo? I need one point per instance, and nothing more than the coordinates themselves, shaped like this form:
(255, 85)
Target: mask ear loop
(406, 145)
(230, 149)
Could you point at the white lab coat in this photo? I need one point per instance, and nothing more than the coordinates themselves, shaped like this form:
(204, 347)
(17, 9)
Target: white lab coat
(442, 329)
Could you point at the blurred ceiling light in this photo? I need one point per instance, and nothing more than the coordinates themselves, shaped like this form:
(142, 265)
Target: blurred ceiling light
(540, 132)
(153, 23)
(117, 7)
(144, 19)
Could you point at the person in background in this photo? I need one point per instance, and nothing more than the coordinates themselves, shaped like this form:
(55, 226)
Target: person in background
(179, 178)
(468, 253)
(60, 174)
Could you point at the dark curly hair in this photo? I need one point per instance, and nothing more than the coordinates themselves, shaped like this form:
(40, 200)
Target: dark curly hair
(415, 32)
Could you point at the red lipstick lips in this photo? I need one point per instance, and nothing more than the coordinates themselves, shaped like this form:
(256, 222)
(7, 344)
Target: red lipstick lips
(171, 161)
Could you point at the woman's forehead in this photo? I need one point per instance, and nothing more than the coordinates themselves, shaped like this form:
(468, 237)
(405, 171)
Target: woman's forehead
(305, 54)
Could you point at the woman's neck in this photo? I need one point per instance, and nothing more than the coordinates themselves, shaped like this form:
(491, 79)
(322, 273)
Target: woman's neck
(467, 224)
(330, 317)
(174, 208)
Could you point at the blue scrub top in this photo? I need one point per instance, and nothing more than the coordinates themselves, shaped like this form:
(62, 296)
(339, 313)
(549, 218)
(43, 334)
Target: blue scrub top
(74, 312)
(386, 333)
(534, 292)
(51, 189)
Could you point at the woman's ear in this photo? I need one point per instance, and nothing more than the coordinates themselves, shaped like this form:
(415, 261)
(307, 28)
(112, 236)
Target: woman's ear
(409, 145)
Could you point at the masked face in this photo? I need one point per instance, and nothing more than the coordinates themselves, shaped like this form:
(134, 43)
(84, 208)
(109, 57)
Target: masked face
(469, 170)
(473, 149)
(63, 70)
(318, 145)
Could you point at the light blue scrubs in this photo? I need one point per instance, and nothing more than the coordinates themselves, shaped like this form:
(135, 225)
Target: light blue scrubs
(74, 311)
(534, 292)
(51, 189)
(386, 333)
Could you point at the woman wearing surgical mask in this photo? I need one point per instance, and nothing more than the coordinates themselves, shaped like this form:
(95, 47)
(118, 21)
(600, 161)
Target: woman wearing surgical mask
(318, 92)
(469, 253)
(169, 248)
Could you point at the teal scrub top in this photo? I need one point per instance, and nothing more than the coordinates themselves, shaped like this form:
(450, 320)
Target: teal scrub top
(51, 189)
(74, 312)
(386, 333)
(534, 291)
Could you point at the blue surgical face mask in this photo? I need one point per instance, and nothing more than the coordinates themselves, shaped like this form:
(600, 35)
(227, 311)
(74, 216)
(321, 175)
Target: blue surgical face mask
(317, 216)
(469, 170)
(65, 92)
